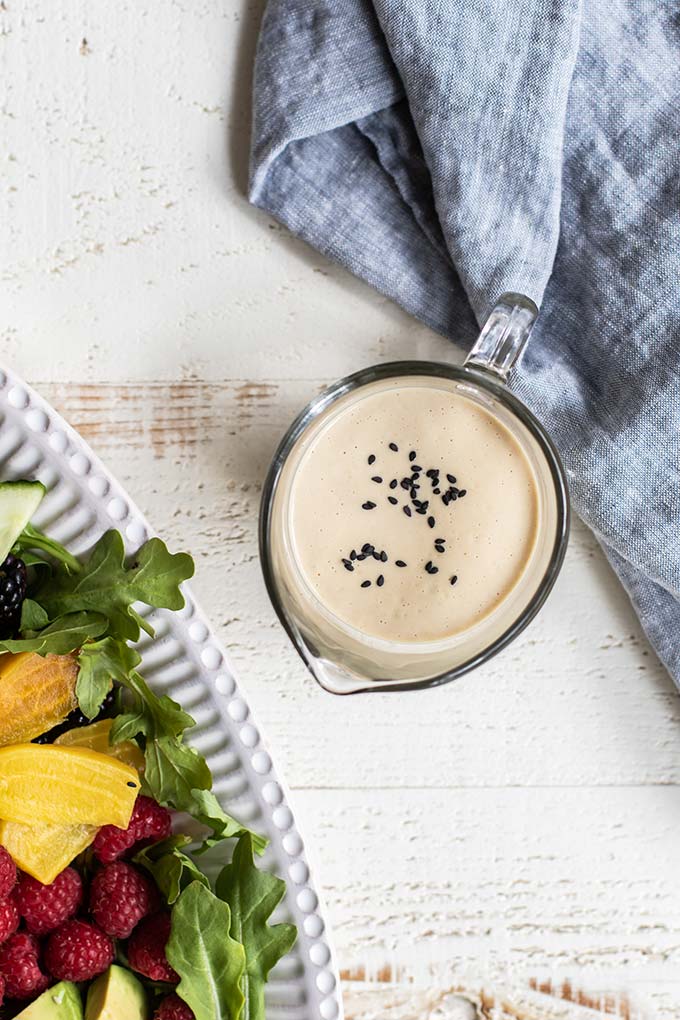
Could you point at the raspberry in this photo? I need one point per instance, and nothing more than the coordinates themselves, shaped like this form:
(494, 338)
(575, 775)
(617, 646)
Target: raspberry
(173, 1008)
(120, 896)
(146, 949)
(8, 873)
(20, 968)
(150, 822)
(9, 919)
(45, 907)
(77, 951)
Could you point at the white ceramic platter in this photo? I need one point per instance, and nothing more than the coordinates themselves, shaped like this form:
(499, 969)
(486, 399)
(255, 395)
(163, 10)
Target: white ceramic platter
(186, 661)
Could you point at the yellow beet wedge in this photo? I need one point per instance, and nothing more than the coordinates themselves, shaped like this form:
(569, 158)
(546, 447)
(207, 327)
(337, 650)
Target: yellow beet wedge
(37, 692)
(44, 850)
(65, 786)
(96, 737)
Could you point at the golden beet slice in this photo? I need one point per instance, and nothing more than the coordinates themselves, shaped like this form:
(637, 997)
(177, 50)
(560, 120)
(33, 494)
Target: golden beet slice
(44, 850)
(36, 693)
(96, 737)
(65, 786)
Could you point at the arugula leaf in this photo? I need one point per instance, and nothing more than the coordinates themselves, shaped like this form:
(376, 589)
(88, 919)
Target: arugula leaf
(66, 633)
(252, 896)
(101, 662)
(32, 539)
(33, 616)
(172, 870)
(209, 962)
(104, 584)
(205, 807)
(161, 716)
(175, 774)
(173, 770)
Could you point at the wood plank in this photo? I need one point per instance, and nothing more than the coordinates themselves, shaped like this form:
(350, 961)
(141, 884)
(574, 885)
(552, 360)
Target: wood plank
(503, 888)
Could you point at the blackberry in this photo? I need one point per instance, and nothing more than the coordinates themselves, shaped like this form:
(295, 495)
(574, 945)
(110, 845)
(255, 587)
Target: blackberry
(12, 594)
(76, 718)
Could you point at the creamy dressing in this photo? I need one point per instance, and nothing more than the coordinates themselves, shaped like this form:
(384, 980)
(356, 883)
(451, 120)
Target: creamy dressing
(464, 547)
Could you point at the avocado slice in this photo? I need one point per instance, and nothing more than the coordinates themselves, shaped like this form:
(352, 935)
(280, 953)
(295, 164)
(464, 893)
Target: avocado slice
(60, 1002)
(116, 995)
(18, 503)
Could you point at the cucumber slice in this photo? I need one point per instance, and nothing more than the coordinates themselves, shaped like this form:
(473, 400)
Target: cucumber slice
(18, 502)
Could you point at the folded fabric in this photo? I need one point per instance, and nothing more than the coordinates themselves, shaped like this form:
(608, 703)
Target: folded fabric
(449, 151)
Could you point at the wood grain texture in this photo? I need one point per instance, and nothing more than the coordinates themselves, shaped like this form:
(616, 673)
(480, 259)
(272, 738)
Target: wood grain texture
(517, 829)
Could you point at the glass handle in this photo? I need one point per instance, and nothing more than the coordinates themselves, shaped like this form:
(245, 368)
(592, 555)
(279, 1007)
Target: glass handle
(504, 335)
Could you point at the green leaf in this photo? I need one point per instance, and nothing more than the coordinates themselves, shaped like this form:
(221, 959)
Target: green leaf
(167, 716)
(100, 663)
(64, 635)
(252, 896)
(131, 724)
(104, 584)
(205, 807)
(173, 770)
(209, 962)
(32, 539)
(172, 870)
(33, 616)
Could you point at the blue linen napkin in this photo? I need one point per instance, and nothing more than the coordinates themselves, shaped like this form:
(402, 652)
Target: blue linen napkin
(450, 150)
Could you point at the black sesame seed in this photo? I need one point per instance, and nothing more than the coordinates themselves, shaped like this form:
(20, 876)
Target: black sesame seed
(368, 505)
(353, 554)
(412, 455)
(439, 548)
(446, 499)
(393, 483)
(454, 578)
(415, 501)
(133, 786)
(406, 483)
(425, 503)
(430, 522)
(436, 491)
(392, 500)
(376, 478)
(428, 566)
(461, 493)
(421, 510)
(416, 468)
(348, 565)
(440, 541)
(434, 570)
(394, 447)
(407, 510)
(381, 580)
(376, 555)
(361, 556)
(365, 584)
(371, 459)
(367, 547)
(431, 472)
(452, 479)
(399, 563)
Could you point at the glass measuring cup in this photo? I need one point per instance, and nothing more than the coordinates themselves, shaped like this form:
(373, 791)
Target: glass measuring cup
(341, 657)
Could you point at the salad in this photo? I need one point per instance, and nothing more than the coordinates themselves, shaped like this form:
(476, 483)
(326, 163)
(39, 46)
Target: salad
(108, 910)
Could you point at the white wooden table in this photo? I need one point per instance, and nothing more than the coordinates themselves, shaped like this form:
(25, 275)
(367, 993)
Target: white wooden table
(519, 827)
